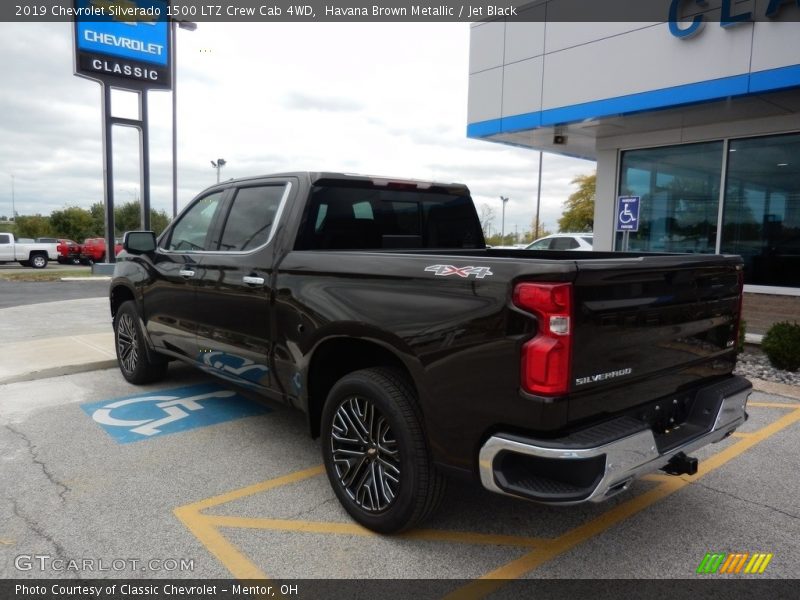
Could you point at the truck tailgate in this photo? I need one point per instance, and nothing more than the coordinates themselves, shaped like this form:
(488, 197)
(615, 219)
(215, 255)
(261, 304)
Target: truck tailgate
(649, 327)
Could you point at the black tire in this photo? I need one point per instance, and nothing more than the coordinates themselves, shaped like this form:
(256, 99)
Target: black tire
(136, 364)
(382, 474)
(38, 261)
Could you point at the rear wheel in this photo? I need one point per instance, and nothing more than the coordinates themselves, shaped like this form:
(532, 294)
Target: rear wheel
(38, 261)
(375, 451)
(135, 362)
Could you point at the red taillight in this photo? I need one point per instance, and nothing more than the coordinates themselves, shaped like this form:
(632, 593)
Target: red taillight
(546, 359)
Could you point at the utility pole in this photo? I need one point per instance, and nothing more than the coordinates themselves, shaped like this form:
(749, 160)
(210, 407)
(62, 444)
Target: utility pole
(504, 199)
(13, 209)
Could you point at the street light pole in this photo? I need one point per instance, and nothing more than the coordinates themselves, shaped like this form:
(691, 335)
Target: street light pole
(189, 26)
(13, 208)
(220, 162)
(504, 199)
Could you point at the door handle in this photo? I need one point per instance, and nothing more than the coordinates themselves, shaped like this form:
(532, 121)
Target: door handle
(253, 280)
(186, 273)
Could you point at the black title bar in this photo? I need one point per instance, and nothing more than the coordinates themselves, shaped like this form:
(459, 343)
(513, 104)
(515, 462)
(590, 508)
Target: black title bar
(653, 11)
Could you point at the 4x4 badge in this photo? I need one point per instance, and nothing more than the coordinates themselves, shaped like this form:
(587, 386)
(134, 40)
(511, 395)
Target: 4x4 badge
(445, 270)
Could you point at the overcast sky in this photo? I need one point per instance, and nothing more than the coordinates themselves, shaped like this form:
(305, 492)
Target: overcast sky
(387, 99)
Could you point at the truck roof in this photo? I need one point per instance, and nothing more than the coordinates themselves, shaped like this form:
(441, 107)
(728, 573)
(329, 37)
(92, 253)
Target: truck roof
(314, 177)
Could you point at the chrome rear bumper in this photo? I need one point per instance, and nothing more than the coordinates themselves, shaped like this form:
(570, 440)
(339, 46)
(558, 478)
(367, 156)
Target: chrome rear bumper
(540, 467)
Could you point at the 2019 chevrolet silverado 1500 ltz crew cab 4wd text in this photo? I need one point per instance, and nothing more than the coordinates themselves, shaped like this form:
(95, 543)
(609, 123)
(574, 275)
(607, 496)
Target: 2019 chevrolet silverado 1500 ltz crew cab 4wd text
(417, 353)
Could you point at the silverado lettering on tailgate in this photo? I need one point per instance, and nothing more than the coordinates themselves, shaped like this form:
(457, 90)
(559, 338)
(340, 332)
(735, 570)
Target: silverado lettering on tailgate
(603, 376)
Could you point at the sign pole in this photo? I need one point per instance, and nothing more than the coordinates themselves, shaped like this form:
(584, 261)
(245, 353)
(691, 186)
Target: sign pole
(108, 173)
(144, 140)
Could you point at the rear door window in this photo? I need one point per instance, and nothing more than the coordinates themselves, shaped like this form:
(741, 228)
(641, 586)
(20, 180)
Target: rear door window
(564, 243)
(250, 220)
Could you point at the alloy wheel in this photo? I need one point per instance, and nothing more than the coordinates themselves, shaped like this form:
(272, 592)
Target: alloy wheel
(365, 454)
(127, 343)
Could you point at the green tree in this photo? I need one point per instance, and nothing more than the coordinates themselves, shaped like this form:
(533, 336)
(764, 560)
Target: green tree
(74, 223)
(579, 213)
(33, 226)
(127, 218)
(98, 212)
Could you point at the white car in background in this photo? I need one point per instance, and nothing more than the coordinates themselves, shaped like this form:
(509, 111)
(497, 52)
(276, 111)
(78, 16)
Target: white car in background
(563, 241)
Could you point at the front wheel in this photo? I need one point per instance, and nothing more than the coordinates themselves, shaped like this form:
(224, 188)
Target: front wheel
(375, 452)
(136, 364)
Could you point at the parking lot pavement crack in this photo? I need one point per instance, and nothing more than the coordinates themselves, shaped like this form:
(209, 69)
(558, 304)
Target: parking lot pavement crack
(63, 489)
(747, 501)
(31, 524)
(307, 511)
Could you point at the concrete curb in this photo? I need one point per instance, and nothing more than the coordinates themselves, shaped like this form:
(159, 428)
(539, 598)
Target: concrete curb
(780, 389)
(96, 365)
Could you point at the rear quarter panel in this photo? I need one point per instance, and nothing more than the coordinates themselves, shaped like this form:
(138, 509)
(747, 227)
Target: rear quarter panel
(459, 337)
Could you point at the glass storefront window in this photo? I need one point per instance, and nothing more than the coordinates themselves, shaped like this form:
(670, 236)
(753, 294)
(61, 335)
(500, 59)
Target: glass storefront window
(679, 190)
(761, 216)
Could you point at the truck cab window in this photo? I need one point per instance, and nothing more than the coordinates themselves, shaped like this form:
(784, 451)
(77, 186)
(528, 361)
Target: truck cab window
(251, 217)
(191, 232)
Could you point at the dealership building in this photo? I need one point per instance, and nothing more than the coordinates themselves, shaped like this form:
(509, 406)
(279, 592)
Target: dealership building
(698, 120)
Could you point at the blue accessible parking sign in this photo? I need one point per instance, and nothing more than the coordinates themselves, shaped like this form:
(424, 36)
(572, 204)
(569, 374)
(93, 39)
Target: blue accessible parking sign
(628, 213)
(148, 415)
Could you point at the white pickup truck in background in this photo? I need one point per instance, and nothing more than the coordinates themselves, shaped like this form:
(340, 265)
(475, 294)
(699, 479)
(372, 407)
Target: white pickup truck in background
(27, 254)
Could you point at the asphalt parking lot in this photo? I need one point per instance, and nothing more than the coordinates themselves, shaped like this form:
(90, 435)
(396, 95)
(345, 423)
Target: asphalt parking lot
(189, 479)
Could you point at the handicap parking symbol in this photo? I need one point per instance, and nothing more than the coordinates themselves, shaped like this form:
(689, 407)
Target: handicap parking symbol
(144, 416)
(628, 213)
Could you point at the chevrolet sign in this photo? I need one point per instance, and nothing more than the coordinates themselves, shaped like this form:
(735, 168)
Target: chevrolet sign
(123, 42)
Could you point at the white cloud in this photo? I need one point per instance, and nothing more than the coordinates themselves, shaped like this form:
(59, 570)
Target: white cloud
(370, 98)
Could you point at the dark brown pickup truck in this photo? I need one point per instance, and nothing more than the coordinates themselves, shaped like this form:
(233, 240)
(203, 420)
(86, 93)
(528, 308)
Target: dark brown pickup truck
(373, 305)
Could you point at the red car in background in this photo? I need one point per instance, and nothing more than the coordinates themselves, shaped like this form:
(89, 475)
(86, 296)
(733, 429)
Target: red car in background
(69, 252)
(94, 250)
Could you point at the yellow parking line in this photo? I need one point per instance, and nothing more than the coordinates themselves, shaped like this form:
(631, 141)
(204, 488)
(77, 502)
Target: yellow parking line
(5, 542)
(206, 527)
(657, 477)
(229, 555)
(203, 528)
(530, 561)
(257, 487)
(788, 405)
(433, 535)
(290, 525)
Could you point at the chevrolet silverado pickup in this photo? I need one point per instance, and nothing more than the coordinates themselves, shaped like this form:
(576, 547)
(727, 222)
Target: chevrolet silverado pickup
(28, 254)
(417, 354)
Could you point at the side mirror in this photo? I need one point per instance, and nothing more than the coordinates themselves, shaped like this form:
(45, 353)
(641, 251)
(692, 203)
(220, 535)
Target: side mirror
(139, 242)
